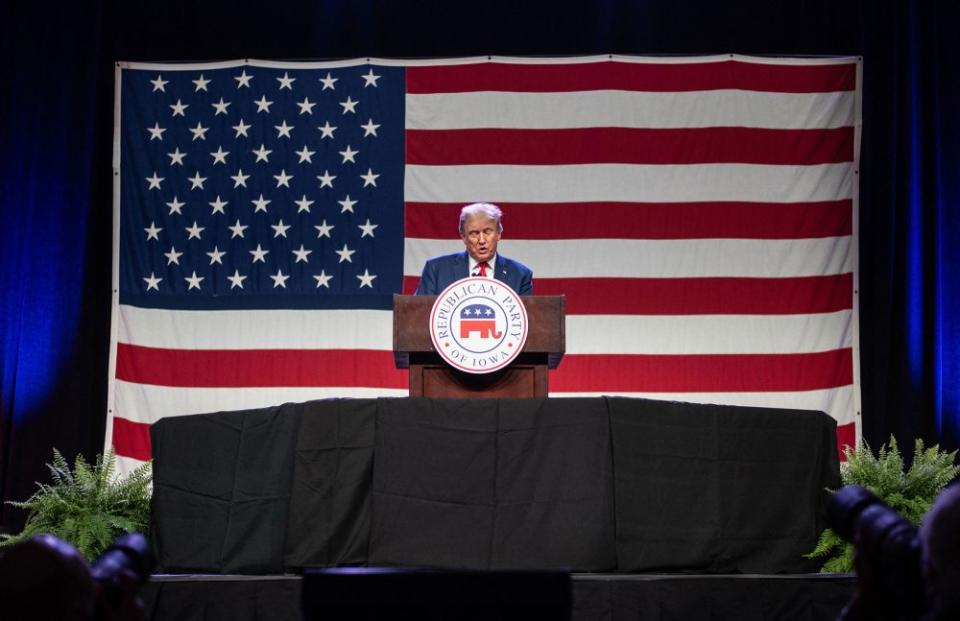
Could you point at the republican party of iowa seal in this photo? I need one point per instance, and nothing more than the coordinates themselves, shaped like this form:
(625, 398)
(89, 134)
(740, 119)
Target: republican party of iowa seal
(478, 325)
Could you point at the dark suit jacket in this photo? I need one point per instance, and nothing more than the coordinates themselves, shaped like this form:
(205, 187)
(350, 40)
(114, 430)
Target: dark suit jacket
(440, 272)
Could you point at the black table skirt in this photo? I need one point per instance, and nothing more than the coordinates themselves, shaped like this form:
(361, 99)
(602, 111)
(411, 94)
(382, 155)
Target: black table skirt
(598, 484)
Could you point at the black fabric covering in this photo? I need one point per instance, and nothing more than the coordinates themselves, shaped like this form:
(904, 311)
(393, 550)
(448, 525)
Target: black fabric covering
(418, 594)
(719, 489)
(715, 598)
(575, 484)
(264, 599)
(329, 519)
(221, 489)
(594, 598)
(510, 484)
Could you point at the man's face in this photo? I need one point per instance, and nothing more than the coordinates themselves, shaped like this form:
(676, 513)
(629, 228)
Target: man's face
(480, 236)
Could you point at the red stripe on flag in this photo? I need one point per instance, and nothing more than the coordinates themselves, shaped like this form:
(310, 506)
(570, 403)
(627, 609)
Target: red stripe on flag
(131, 439)
(612, 75)
(703, 372)
(258, 367)
(627, 145)
(701, 296)
(695, 296)
(846, 437)
(618, 220)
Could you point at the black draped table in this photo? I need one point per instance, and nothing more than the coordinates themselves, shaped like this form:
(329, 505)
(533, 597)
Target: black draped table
(582, 484)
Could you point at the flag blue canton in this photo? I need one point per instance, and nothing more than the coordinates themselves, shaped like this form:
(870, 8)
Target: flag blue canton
(252, 187)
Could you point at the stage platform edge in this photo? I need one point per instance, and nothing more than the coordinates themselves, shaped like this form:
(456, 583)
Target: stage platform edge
(595, 596)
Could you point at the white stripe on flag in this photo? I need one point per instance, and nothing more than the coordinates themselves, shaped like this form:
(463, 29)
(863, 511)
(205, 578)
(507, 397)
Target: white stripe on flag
(257, 329)
(708, 334)
(623, 258)
(721, 108)
(627, 182)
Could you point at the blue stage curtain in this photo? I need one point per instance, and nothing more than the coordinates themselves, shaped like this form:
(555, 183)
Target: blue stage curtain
(55, 243)
(910, 226)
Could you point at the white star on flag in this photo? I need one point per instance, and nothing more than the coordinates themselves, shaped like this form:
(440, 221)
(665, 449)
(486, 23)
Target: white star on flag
(156, 132)
(175, 206)
(263, 105)
(219, 156)
(179, 109)
(236, 280)
(152, 231)
(216, 256)
(153, 282)
(366, 279)
(327, 130)
(305, 106)
(242, 129)
(199, 132)
(176, 158)
(349, 105)
(201, 84)
(173, 257)
(154, 181)
(243, 80)
(367, 229)
(218, 206)
(286, 82)
(370, 129)
(345, 254)
(237, 229)
(370, 178)
(220, 107)
(303, 204)
(262, 153)
(326, 179)
(159, 83)
(196, 181)
(370, 79)
(259, 254)
(194, 231)
(279, 280)
(280, 229)
(328, 82)
(301, 254)
(283, 130)
(348, 155)
(305, 155)
(347, 205)
(323, 229)
(260, 204)
(194, 281)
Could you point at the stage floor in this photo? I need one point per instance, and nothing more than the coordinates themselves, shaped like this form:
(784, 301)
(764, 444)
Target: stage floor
(638, 597)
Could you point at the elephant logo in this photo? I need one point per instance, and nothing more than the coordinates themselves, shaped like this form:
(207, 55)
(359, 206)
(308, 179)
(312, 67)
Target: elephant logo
(481, 319)
(478, 325)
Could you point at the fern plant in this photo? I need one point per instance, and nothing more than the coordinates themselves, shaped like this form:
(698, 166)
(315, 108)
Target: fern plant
(910, 493)
(88, 505)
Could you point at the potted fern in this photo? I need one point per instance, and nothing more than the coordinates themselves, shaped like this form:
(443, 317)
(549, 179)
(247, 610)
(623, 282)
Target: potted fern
(911, 493)
(88, 506)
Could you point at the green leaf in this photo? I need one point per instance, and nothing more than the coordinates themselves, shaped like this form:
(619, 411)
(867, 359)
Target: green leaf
(911, 493)
(88, 505)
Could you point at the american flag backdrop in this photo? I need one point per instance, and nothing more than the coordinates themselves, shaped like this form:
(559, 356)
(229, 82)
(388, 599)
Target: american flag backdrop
(699, 213)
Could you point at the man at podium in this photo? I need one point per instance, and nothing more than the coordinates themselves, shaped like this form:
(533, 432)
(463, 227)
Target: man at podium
(480, 229)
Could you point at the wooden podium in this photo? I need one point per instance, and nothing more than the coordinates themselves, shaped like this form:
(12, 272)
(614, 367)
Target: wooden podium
(430, 376)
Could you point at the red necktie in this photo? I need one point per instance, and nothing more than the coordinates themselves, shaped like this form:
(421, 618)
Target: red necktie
(483, 268)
